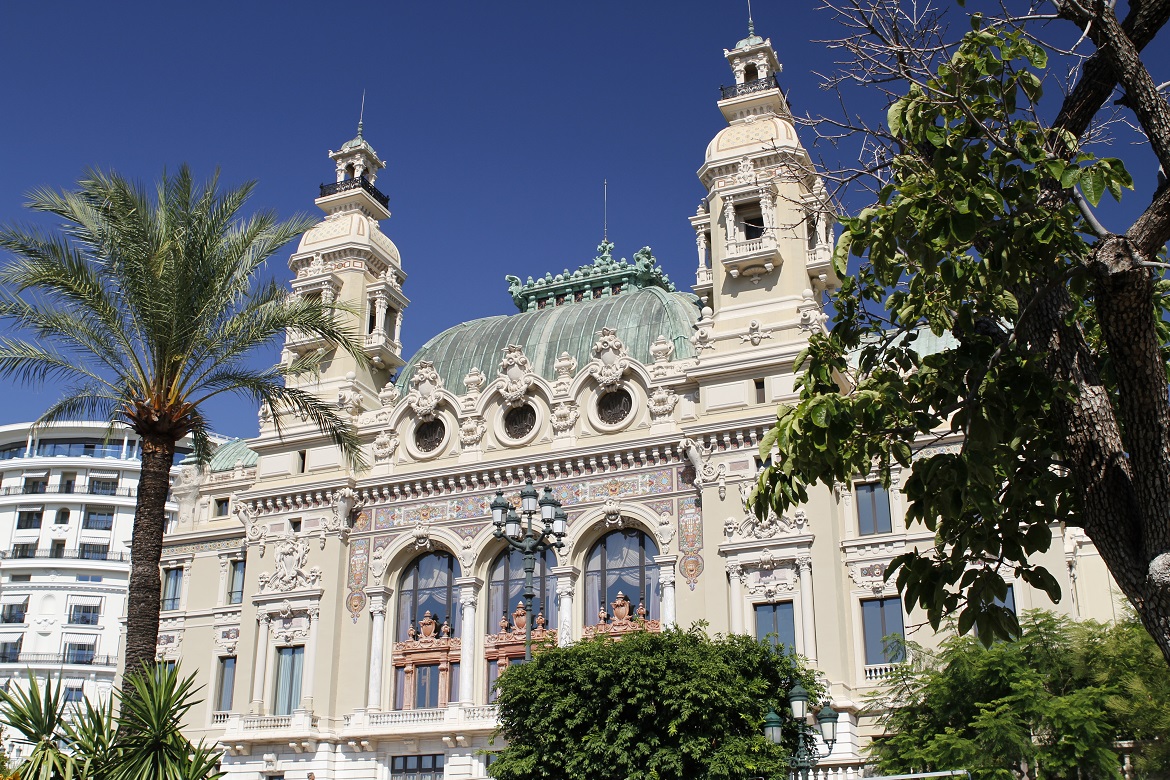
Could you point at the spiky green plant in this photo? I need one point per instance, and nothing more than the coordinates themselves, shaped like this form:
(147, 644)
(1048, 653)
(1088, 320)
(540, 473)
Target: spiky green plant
(38, 715)
(145, 307)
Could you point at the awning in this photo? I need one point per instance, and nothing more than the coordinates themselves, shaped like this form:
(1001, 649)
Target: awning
(85, 601)
(14, 598)
(30, 508)
(9, 638)
(44, 473)
(103, 475)
(80, 639)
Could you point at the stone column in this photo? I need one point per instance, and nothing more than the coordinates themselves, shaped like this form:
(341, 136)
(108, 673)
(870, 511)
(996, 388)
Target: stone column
(310, 665)
(701, 245)
(808, 617)
(263, 635)
(666, 580)
(398, 327)
(729, 225)
(380, 314)
(378, 599)
(468, 599)
(566, 579)
(735, 574)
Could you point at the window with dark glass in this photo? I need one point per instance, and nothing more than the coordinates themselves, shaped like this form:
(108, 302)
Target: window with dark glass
(428, 436)
(221, 507)
(74, 694)
(68, 480)
(520, 421)
(881, 618)
(236, 582)
(89, 578)
(172, 588)
(62, 517)
(615, 406)
(14, 613)
(622, 561)
(506, 588)
(776, 623)
(78, 448)
(20, 578)
(36, 485)
(93, 552)
(98, 518)
(428, 767)
(12, 451)
(84, 614)
(10, 651)
(103, 487)
(26, 550)
(753, 227)
(873, 508)
(428, 585)
(289, 669)
(77, 652)
(57, 549)
(226, 682)
(27, 519)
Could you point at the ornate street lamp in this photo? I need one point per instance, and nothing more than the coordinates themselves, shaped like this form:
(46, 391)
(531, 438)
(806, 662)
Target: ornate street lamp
(806, 756)
(519, 533)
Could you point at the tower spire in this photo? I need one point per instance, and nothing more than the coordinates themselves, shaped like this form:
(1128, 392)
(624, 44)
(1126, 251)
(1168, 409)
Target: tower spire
(362, 114)
(751, 24)
(605, 210)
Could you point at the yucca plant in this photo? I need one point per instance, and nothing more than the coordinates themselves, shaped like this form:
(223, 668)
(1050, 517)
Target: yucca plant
(38, 715)
(145, 307)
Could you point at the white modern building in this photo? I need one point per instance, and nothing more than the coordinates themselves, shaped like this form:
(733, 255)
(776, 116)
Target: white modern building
(66, 514)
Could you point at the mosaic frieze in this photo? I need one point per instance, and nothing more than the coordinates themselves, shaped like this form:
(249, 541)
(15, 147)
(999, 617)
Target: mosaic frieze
(197, 547)
(359, 556)
(690, 539)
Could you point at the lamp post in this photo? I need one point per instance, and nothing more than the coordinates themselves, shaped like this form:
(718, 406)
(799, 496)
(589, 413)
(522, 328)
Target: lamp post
(806, 755)
(520, 534)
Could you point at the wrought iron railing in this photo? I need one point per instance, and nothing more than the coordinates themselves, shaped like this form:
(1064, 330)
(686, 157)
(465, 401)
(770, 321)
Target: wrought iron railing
(84, 555)
(345, 185)
(748, 87)
(29, 490)
(84, 659)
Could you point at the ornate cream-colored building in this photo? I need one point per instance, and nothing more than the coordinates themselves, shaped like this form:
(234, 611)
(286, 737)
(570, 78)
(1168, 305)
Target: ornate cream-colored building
(378, 608)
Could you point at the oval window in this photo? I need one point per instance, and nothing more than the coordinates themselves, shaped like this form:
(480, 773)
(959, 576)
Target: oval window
(429, 435)
(520, 421)
(614, 406)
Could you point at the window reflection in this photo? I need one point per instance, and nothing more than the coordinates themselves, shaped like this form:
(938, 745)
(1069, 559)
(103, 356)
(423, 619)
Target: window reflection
(622, 562)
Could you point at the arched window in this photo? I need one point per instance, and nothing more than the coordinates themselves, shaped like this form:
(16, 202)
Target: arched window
(349, 171)
(506, 588)
(622, 562)
(750, 73)
(428, 585)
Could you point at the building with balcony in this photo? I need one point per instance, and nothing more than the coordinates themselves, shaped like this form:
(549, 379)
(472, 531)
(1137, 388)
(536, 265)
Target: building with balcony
(67, 500)
(351, 625)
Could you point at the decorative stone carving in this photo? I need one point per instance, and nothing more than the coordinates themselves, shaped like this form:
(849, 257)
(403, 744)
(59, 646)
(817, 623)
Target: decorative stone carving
(624, 619)
(755, 335)
(424, 390)
(185, 489)
(516, 371)
(227, 638)
(349, 397)
(661, 350)
(769, 579)
(564, 416)
(871, 576)
(422, 536)
(343, 501)
(264, 414)
(384, 445)
(611, 359)
(474, 382)
(565, 368)
(661, 403)
(379, 561)
(704, 338)
(613, 512)
(706, 473)
(389, 395)
(746, 172)
(665, 532)
(772, 525)
(290, 572)
(812, 318)
(471, 430)
(254, 531)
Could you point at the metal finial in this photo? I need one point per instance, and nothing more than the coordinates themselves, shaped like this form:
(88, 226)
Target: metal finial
(751, 24)
(605, 209)
(362, 115)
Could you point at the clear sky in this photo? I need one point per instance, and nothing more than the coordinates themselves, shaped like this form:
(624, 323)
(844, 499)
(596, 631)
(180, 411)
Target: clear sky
(498, 122)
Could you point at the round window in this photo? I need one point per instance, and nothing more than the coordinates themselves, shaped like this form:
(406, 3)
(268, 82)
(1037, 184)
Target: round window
(429, 435)
(614, 406)
(520, 421)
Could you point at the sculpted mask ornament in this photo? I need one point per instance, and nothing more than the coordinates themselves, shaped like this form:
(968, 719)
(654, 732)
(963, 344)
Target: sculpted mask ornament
(706, 473)
(755, 335)
(564, 417)
(611, 359)
(516, 372)
(422, 536)
(384, 445)
(424, 390)
(613, 512)
(471, 430)
(661, 403)
(264, 415)
(344, 501)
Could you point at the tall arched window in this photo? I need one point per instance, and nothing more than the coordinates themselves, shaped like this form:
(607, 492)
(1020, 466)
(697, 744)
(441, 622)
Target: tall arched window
(428, 585)
(750, 73)
(506, 588)
(622, 562)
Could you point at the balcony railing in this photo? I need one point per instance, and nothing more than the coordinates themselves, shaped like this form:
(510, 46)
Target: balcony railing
(352, 184)
(407, 716)
(83, 555)
(30, 490)
(83, 659)
(749, 87)
(219, 718)
(877, 672)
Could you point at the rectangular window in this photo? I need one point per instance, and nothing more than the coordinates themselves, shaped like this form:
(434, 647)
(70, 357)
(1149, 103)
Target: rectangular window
(79, 652)
(761, 397)
(221, 507)
(93, 552)
(103, 487)
(302, 461)
(98, 518)
(89, 578)
(227, 682)
(57, 549)
(84, 614)
(873, 508)
(776, 623)
(10, 652)
(26, 550)
(881, 618)
(426, 687)
(62, 517)
(236, 583)
(28, 518)
(13, 613)
(289, 668)
(417, 767)
(20, 578)
(37, 485)
(172, 523)
(68, 480)
(172, 587)
(74, 694)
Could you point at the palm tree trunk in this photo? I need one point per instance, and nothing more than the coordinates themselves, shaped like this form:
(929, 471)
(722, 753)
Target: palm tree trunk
(142, 607)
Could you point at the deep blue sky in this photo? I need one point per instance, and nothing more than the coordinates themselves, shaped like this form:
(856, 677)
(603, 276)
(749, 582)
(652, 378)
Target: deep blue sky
(498, 121)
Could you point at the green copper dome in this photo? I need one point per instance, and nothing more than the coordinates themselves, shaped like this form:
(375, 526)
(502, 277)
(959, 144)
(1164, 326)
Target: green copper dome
(228, 454)
(639, 316)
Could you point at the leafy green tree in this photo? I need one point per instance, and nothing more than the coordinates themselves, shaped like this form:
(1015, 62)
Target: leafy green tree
(148, 307)
(143, 740)
(651, 706)
(1051, 704)
(1053, 360)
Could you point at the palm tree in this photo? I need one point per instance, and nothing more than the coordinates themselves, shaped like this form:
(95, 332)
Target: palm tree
(146, 307)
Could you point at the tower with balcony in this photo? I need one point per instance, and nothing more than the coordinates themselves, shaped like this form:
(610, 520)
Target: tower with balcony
(347, 259)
